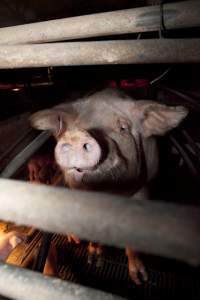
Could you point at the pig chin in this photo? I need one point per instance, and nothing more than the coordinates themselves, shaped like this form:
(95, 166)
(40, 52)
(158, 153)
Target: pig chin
(76, 166)
(91, 179)
(112, 175)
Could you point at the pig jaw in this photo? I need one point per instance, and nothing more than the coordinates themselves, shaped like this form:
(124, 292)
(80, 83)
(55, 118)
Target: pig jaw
(115, 174)
(77, 151)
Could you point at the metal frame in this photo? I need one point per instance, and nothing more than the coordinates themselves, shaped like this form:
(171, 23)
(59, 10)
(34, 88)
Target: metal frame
(151, 227)
(101, 53)
(175, 15)
(22, 157)
(22, 284)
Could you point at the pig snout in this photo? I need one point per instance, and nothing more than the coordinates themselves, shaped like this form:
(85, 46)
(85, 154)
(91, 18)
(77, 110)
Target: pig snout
(78, 150)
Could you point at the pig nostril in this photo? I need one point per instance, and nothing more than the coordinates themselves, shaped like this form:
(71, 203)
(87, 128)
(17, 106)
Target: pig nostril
(87, 147)
(66, 146)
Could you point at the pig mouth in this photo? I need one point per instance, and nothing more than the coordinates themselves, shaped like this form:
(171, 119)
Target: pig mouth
(99, 164)
(84, 170)
(78, 170)
(110, 159)
(112, 170)
(104, 169)
(113, 173)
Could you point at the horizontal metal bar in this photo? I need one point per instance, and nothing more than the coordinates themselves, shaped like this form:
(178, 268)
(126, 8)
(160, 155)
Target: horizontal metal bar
(21, 284)
(21, 158)
(151, 227)
(101, 52)
(176, 15)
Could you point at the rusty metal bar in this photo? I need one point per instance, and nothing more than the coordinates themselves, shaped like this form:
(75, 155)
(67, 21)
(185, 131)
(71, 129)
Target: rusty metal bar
(176, 15)
(164, 229)
(21, 284)
(101, 52)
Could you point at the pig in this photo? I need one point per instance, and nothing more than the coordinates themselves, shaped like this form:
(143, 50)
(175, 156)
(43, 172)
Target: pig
(41, 168)
(106, 142)
(8, 242)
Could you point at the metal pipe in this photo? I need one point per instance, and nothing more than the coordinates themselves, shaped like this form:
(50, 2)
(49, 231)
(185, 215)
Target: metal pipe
(189, 101)
(11, 169)
(21, 158)
(164, 229)
(101, 52)
(43, 252)
(20, 284)
(175, 15)
(192, 143)
(190, 164)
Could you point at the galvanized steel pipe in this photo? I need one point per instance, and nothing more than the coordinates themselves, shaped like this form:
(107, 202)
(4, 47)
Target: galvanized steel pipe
(151, 227)
(101, 53)
(20, 284)
(176, 15)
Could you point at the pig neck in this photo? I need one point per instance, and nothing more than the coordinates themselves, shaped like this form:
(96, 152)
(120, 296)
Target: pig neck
(148, 167)
(142, 166)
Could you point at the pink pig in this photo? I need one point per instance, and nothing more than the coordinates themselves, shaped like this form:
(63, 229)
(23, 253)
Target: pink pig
(107, 142)
(8, 241)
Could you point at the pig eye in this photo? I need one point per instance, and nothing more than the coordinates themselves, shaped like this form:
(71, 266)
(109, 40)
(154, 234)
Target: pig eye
(124, 127)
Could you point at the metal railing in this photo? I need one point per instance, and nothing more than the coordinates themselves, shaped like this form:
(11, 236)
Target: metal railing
(164, 229)
(152, 227)
(100, 53)
(183, 14)
(21, 284)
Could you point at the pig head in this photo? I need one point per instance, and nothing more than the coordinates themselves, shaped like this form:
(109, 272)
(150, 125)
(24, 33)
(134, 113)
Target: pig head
(107, 141)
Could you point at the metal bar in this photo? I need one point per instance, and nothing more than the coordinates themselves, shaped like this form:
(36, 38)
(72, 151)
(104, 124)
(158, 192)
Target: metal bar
(101, 52)
(176, 15)
(22, 284)
(45, 240)
(24, 155)
(43, 251)
(11, 169)
(192, 143)
(190, 101)
(190, 164)
(152, 227)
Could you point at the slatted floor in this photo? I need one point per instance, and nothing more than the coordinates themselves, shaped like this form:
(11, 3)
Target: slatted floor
(113, 276)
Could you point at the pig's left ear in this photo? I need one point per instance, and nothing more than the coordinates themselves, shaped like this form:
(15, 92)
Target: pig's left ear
(49, 119)
(157, 119)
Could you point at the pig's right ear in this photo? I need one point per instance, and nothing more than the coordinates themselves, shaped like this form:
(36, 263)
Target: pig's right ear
(156, 118)
(49, 119)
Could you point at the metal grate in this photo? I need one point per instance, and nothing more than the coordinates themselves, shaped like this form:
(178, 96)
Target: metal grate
(113, 276)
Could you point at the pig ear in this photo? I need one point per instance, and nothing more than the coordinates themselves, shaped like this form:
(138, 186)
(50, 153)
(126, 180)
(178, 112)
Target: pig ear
(157, 119)
(49, 119)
